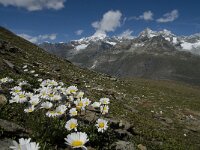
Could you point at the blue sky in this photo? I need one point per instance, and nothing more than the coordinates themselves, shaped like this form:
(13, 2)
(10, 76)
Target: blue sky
(64, 20)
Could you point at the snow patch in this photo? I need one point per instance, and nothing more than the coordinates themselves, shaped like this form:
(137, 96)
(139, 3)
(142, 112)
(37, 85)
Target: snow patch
(80, 47)
(175, 41)
(111, 43)
(94, 64)
(167, 38)
(189, 46)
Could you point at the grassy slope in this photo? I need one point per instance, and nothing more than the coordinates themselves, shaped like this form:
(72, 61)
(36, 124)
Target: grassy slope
(132, 100)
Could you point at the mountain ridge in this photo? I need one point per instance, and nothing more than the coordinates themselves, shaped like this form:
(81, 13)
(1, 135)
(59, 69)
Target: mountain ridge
(153, 55)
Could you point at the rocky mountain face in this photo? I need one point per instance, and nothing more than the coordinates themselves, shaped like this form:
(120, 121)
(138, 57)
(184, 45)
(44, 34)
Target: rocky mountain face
(152, 54)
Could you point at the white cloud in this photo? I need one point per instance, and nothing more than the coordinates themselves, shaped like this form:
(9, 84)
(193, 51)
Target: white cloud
(147, 16)
(34, 5)
(79, 32)
(127, 34)
(39, 38)
(109, 22)
(169, 17)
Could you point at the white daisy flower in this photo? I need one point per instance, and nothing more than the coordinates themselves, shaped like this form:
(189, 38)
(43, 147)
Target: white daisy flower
(104, 109)
(77, 140)
(71, 98)
(23, 83)
(39, 80)
(25, 70)
(46, 105)
(29, 94)
(16, 90)
(6, 80)
(25, 144)
(104, 101)
(86, 101)
(49, 83)
(56, 97)
(80, 104)
(21, 145)
(36, 75)
(61, 83)
(25, 66)
(52, 113)
(96, 104)
(32, 146)
(29, 109)
(44, 93)
(61, 109)
(73, 112)
(72, 90)
(32, 71)
(101, 125)
(20, 98)
(71, 124)
(34, 100)
(80, 95)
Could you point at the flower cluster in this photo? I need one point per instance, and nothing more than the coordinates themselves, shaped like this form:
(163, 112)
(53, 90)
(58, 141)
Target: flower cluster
(58, 100)
(25, 144)
(6, 80)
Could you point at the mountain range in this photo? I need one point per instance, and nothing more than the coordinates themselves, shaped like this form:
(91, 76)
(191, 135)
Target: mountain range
(151, 54)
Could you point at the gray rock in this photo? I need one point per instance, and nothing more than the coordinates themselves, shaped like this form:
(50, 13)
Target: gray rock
(167, 120)
(10, 126)
(142, 147)
(8, 63)
(5, 144)
(3, 100)
(123, 134)
(123, 145)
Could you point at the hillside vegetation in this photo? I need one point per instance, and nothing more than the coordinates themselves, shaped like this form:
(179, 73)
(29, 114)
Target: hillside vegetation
(159, 114)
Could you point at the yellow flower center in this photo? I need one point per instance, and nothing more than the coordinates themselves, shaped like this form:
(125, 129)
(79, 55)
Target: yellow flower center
(51, 95)
(72, 125)
(77, 143)
(52, 112)
(21, 96)
(17, 91)
(60, 112)
(101, 125)
(74, 113)
(78, 107)
(72, 91)
(30, 110)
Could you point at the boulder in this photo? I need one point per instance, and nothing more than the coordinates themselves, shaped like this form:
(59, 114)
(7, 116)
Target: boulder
(142, 147)
(123, 145)
(3, 100)
(5, 144)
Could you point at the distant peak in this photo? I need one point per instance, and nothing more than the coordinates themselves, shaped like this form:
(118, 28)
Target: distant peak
(99, 35)
(147, 33)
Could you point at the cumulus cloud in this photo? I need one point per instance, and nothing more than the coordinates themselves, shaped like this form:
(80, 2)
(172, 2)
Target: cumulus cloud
(127, 34)
(110, 21)
(39, 38)
(147, 16)
(79, 32)
(34, 5)
(169, 17)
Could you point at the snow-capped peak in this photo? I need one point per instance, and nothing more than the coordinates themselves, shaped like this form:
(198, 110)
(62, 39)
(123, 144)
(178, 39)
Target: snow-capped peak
(165, 32)
(148, 33)
(98, 36)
